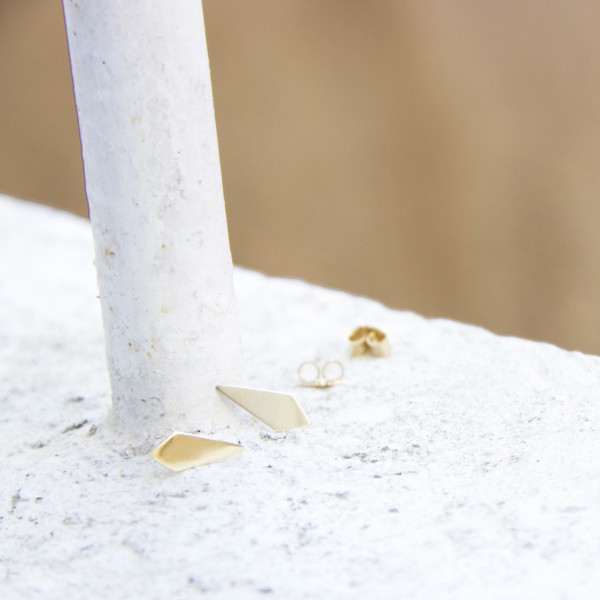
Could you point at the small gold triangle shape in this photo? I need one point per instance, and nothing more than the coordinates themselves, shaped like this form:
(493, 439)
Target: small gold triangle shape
(182, 451)
(279, 411)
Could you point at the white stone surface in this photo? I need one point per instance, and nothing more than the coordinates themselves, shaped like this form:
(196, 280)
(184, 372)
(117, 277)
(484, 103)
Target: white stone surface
(153, 181)
(464, 466)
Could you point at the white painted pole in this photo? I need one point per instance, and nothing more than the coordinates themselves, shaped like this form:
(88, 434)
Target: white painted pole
(144, 102)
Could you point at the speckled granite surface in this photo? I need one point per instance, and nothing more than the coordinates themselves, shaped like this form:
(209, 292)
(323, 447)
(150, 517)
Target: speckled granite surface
(465, 465)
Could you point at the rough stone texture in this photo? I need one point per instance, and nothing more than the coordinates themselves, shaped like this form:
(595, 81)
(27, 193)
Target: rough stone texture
(465, 465)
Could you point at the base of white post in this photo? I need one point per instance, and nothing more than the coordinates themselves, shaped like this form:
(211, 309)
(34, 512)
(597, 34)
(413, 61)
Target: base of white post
(465, 465)
(153, 182)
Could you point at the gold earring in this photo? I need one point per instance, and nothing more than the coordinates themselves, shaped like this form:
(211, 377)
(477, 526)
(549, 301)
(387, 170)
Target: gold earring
(279, 411)
(181, 451)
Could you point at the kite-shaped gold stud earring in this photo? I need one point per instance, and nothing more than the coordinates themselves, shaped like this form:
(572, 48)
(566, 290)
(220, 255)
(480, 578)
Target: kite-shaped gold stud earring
(279, 411)
(182, 451)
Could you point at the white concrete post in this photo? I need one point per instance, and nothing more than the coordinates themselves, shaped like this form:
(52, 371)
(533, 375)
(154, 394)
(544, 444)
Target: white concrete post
(144, 102)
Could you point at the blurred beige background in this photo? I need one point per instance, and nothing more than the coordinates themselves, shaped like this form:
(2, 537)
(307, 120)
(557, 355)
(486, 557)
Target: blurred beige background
(439, 156)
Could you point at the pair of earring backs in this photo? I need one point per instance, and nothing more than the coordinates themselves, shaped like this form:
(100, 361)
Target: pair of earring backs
(280, 411)
(363, 340)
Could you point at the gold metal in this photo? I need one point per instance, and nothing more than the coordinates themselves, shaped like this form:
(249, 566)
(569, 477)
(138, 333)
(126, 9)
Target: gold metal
(182, 451)
(357, 341)
(311, 375)
(279, 411)
(369, 340)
